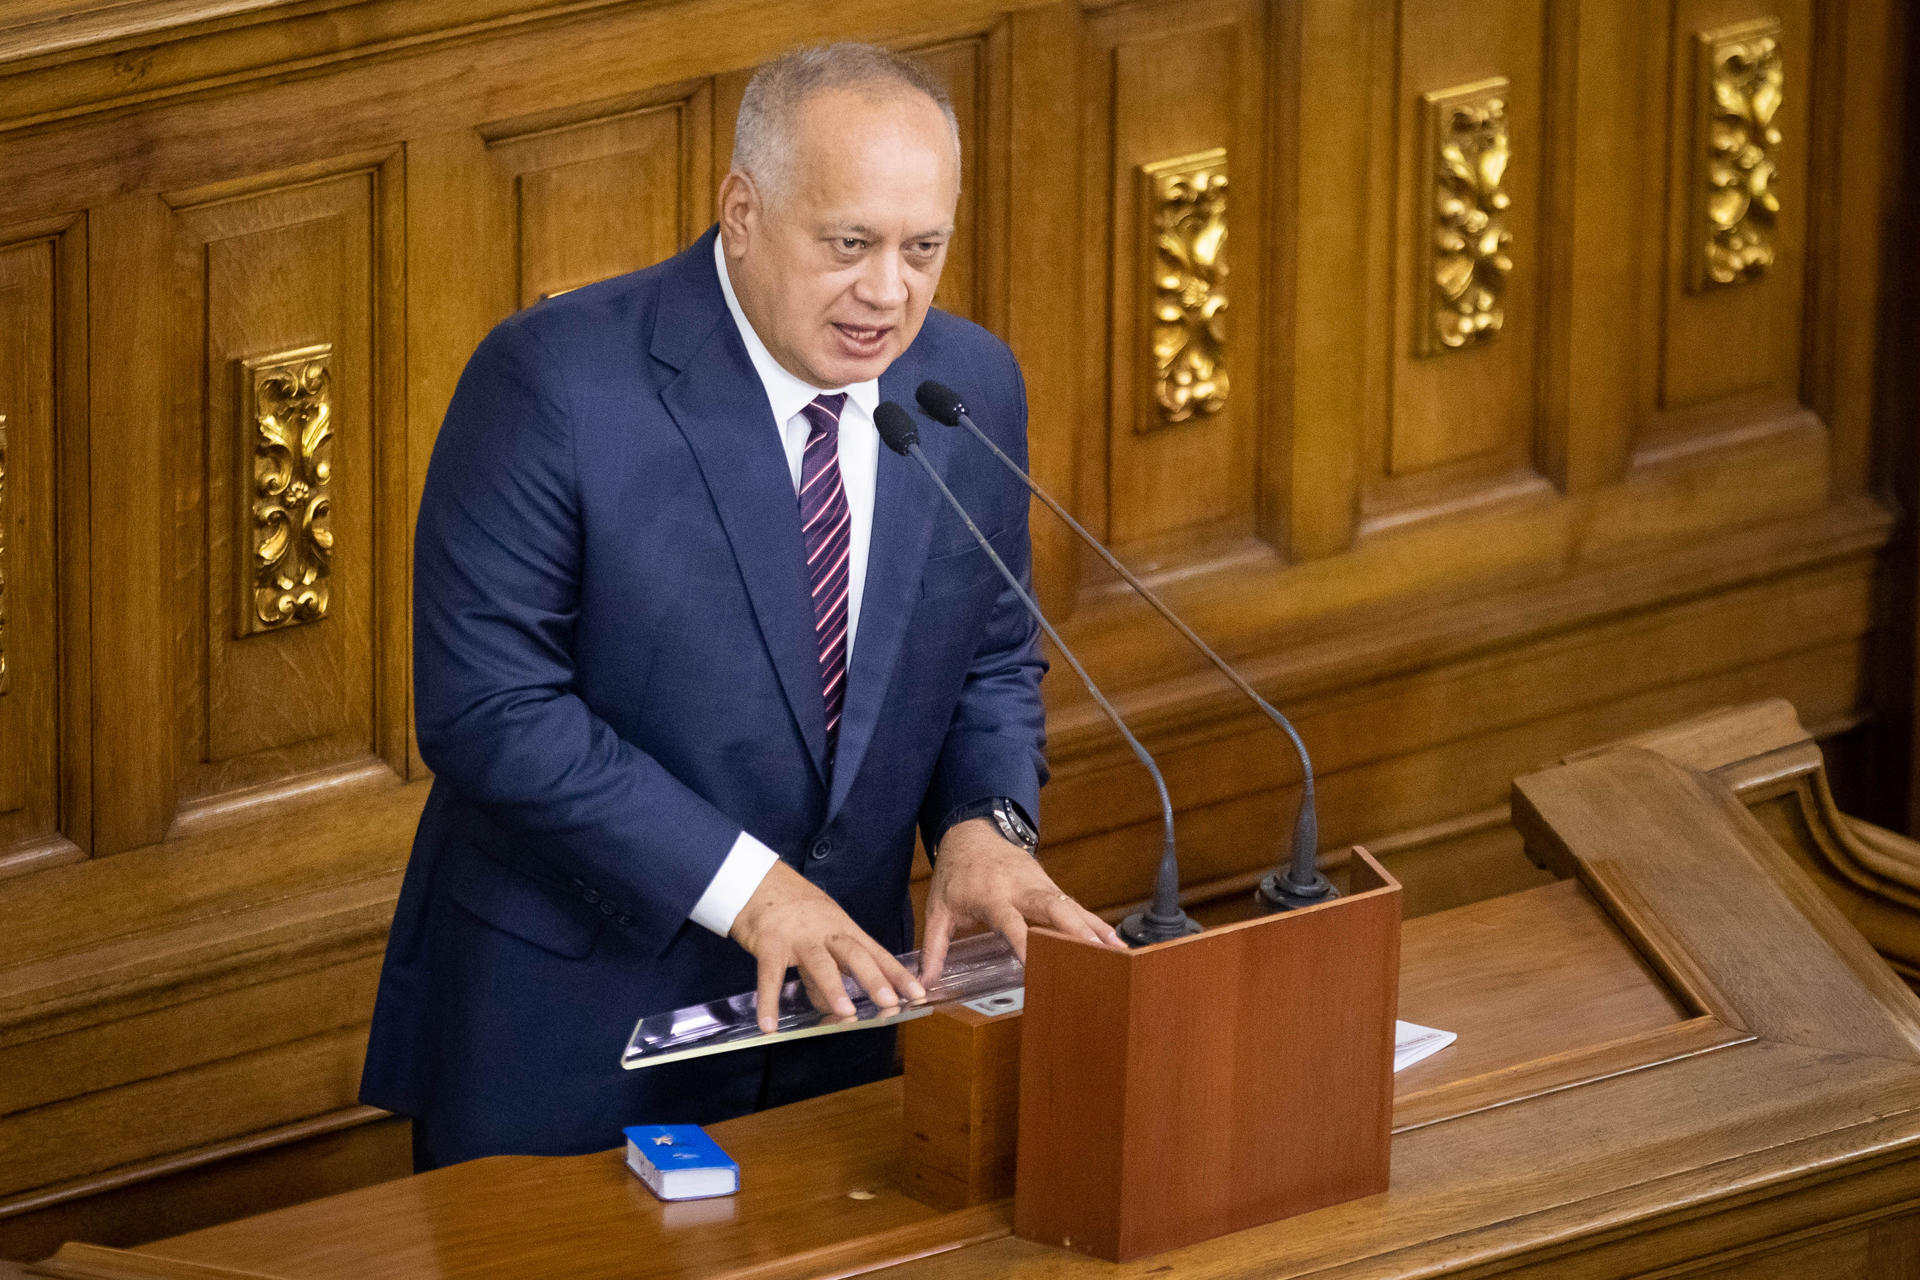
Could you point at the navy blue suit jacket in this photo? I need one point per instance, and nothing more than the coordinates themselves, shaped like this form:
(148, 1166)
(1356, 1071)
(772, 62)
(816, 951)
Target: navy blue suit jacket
(615, 672)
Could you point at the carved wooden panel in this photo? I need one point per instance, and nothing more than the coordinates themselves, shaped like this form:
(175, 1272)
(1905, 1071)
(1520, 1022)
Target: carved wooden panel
(1175, 181)
(595, 197)
(969, 68)
(277, 414)
(30, 589)
(1737, 169)
(1460, 408)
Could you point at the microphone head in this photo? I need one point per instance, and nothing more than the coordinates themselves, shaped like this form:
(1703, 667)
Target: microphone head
(941, 402)
(895, 426)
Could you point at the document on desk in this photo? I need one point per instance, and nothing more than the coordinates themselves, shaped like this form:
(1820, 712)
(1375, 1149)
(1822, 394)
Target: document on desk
(977, 967)
(1413, 1042)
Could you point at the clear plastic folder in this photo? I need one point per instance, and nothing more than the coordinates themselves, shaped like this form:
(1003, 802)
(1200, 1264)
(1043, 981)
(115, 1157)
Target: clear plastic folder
(982, 965)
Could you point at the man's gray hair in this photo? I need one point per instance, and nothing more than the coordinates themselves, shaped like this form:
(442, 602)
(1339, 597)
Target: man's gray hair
(763, 133)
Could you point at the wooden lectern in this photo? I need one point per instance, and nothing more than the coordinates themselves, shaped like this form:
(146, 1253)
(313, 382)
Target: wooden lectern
(1199, 1086)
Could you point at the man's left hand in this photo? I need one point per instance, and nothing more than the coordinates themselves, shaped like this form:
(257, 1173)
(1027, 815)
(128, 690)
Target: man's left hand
(979, 877)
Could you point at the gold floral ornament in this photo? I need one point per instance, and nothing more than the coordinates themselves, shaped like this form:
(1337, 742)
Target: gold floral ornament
(6, 679)
(291, 412)
(1742, 77)
(1187, 209)
(1468, 259)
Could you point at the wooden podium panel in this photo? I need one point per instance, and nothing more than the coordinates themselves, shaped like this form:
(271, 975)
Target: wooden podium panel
(1679, 1060)
(1209, 1083)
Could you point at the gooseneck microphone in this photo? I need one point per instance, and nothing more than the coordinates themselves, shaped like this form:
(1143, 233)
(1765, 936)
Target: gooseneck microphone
(1164, 919)
(1301, 884)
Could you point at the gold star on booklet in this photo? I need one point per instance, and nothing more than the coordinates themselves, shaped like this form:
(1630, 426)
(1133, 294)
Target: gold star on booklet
(664, 1140)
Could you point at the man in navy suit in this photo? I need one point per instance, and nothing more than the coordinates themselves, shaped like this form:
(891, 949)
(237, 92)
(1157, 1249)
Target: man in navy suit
(694, 657)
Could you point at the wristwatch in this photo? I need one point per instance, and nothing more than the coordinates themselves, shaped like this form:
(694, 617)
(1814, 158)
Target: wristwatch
(1006, 815)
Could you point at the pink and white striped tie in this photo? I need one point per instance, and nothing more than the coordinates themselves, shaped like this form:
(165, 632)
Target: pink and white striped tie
(826, 524)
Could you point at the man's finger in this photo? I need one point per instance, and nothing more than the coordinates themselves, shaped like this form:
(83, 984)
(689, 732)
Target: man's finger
(829, 993)
(1106, 933)
(933, 947)
(896, 974)
(1012, 926)
(1066, 915)
(854, 958)
(766, 1002)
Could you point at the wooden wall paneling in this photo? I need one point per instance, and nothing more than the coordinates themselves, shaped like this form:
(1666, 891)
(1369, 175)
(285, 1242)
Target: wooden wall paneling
(1596, 115)
(1854, 135)
(286, 269)
(39, 431)
(1460, 730)
(131, 463)
(1181, 82)
(527, 64)
(1033, 125)
(271, 1170)
(967, 284)
(450, 307)
(1744, 339)
(602, 191)
(236, 1095)
(1273, 509)
(1461, 411)
(1339, 219)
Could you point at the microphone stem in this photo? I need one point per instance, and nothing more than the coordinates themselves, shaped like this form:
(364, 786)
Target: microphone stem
(1303, 869)
(1166, 888)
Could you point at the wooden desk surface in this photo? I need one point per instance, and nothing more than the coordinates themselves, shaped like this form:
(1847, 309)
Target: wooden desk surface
(819, 1179)
(1680, 1060)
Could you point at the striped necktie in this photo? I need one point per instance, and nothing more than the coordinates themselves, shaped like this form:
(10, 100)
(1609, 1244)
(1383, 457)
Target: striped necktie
(826, 525)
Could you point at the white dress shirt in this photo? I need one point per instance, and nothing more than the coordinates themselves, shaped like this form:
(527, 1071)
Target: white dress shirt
(748, 862)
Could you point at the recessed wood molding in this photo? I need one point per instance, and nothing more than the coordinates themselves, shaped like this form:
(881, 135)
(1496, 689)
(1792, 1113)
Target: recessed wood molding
(1736, 153)
(289, 482)
(1186, 214)
(5, 516)
(1464, 254)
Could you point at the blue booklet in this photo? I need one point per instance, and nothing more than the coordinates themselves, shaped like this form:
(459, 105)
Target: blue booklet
(680, 1162)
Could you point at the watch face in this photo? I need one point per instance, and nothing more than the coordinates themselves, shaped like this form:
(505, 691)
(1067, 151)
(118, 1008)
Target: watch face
(1014, 828)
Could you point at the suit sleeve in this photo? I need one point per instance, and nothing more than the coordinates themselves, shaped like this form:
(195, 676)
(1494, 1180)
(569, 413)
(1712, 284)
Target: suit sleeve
(496, 585)
(996, 740)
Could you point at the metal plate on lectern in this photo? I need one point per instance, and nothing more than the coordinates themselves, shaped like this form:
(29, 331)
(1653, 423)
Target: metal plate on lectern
(980, 966)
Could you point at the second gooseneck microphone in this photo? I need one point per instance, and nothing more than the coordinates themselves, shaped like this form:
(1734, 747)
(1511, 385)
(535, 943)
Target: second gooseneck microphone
(1301, 883)
(1164, 919)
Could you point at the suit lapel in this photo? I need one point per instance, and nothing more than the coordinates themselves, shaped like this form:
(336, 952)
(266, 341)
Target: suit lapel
(904, 506)
(718, 404)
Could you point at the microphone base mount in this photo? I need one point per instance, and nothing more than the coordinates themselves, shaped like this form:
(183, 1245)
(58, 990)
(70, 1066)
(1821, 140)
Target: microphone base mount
(1143, 928)
(1281, 892)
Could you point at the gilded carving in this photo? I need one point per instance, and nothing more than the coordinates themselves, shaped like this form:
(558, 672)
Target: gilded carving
(1736, 153)
(6, 680)
(289, 480)
(1186, 207)
(1465, 252)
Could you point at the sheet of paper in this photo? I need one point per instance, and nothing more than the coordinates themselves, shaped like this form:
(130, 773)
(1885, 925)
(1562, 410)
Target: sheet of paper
(1412, 1042)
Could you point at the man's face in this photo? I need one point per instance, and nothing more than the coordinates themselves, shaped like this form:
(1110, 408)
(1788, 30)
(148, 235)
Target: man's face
(836, 266)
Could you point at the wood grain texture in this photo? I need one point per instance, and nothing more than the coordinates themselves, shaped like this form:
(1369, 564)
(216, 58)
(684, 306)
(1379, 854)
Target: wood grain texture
(1715, 904)
(1806, 1162)
(960, 1113)
(1180, 1091)
(1633, 507)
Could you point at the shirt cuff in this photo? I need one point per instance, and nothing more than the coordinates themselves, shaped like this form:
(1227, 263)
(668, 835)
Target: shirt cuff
(746, 865)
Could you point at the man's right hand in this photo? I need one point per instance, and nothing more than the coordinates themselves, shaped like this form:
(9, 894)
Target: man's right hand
(789, 923)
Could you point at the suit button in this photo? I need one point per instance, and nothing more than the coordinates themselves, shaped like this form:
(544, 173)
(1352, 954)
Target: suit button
(591, 896)
(624, 919)
(607, 908)
(821, 848)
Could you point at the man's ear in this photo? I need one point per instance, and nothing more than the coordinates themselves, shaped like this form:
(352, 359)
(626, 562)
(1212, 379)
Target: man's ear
(739, 211)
